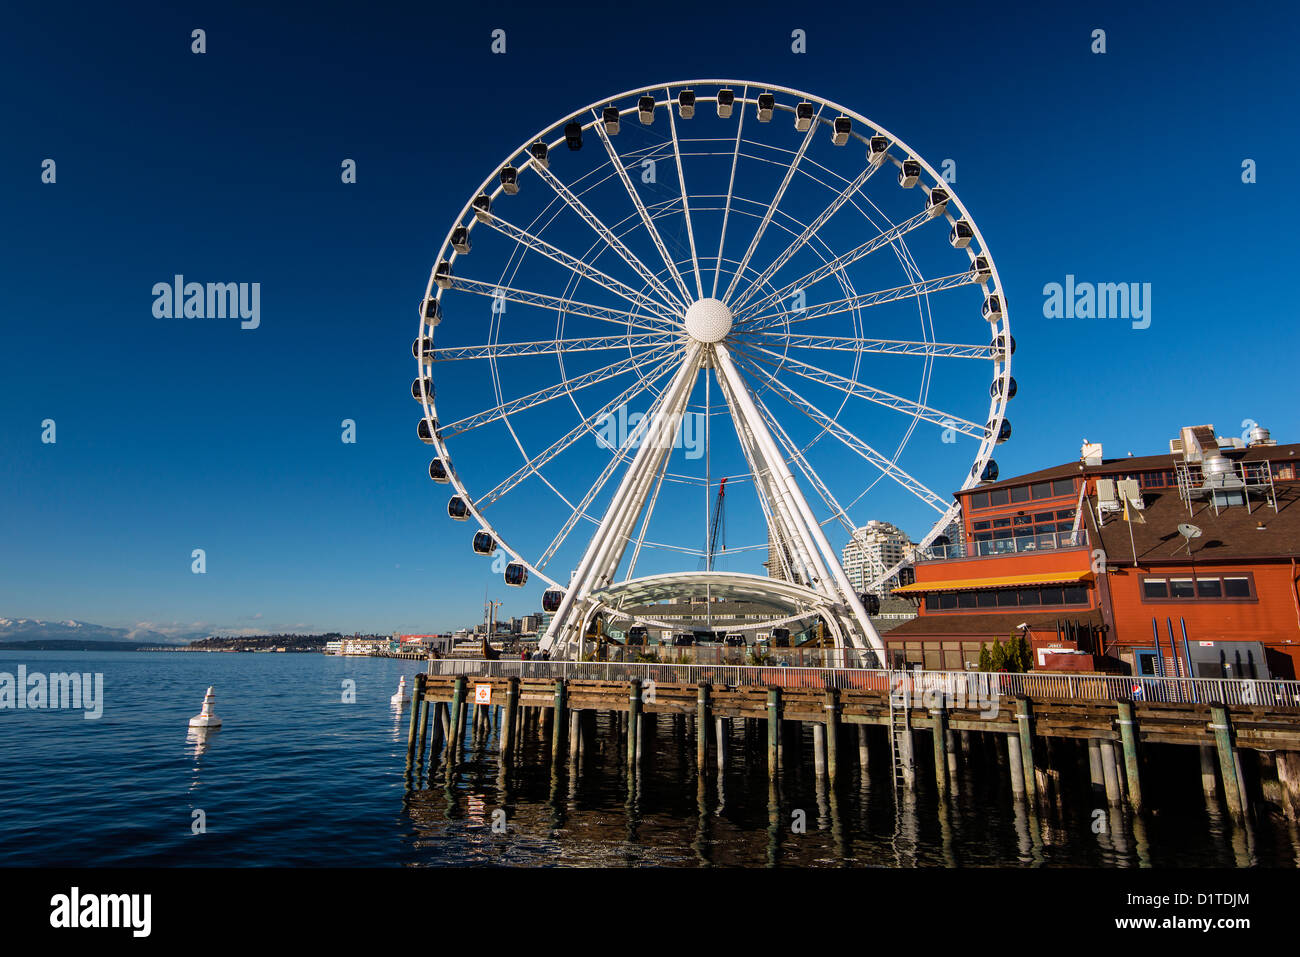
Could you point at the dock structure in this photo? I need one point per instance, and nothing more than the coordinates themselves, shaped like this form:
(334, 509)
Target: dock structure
(1030, 724)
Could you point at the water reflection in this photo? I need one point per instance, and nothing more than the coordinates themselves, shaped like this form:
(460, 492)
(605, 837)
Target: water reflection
(597, 811)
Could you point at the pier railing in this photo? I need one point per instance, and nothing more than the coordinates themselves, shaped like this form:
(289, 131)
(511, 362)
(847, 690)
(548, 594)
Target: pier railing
(918, 686)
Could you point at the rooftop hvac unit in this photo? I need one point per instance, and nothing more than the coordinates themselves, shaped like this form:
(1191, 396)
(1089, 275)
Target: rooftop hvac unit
(1107, 499)
(1131, 492)
(1198, 440)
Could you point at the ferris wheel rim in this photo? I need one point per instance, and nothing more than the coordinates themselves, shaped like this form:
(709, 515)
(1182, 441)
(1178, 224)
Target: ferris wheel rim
(991, 285)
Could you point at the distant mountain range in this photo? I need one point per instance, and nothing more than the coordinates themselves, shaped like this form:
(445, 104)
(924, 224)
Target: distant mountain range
(26, 631)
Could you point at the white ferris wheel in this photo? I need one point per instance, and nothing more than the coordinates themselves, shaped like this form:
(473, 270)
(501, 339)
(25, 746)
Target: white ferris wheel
(703, 289)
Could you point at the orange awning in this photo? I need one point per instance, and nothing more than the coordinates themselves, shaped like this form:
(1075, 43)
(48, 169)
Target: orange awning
(1004, 581)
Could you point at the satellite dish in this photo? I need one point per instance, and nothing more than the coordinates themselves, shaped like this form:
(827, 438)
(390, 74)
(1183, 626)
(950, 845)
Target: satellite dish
(1188, 532)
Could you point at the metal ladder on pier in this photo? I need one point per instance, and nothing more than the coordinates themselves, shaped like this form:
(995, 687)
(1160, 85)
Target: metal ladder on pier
(899, 726)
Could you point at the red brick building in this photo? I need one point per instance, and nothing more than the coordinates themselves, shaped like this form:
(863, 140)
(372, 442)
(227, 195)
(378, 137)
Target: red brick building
(1052, 555)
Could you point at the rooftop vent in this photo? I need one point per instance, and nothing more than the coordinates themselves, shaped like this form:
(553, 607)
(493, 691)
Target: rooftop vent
(1259, 436)
(1090, 453)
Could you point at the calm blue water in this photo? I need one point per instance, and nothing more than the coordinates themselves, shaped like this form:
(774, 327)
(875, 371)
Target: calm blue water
(297, 777)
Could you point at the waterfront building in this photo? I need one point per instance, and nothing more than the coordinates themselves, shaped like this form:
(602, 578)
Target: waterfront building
(1182, 563)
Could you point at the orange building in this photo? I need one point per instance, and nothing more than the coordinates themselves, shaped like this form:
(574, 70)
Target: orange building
(1088, 557)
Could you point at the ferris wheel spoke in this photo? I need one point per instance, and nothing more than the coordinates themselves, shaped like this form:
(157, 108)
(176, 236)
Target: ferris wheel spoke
(646, 219)
(771, 209)
(645, 521)
(811, 230)
(501, 350)
(554, 392)
(585, 427)
(731, 192)
(849, 440)
(878, 396)
(906, 347)
(883, 238)
(576, 265)
(606, 234)
(686, 205)
(579, 511)
(849, 304)
(572, 307)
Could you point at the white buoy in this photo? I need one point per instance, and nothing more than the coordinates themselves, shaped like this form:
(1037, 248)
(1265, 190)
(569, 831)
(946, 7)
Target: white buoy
(205, 718)
(402, 696)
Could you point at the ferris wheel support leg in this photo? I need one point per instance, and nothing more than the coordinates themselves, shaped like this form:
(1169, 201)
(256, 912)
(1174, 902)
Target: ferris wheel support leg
(788, 528)
(781, 472)
(612, 535)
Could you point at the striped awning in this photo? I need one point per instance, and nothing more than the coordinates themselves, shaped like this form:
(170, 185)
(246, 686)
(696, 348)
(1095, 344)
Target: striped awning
(1003, 581)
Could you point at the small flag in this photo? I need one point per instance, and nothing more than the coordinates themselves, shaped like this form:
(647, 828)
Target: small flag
(1133, 515)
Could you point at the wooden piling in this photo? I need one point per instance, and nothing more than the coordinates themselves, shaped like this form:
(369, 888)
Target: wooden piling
(1015, 767)
(1095, 773)
(722, 730)
(422, 747)
(702, 711)
(832, 708)
(939, 716)
(1024, 718)
(457, 735)
(633, 721)
(575, 737)
(1232, 790)
(1288, 777)
(417, 696)
(819, 749)
(864, 754)
(1128, 738)
(557, 722)
(438, 727)
(1110, 772)
(508, 719)
(773, 730)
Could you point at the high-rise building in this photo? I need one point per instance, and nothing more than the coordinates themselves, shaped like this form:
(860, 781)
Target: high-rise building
(873, 550)
(778, 556)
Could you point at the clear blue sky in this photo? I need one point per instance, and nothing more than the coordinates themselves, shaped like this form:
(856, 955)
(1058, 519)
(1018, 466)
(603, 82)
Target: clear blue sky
(174, 435)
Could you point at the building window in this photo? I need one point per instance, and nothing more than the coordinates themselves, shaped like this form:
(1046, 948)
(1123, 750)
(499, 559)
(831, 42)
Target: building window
(1041, 490)
(1020, 493)
(999, 496)
(1063, 487)
(1203, 588)
(979, 500)
(1047, 596)
(1236, 587)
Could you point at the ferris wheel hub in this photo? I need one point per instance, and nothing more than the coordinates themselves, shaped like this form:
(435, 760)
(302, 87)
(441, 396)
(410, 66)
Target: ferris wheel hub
(708, 320)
